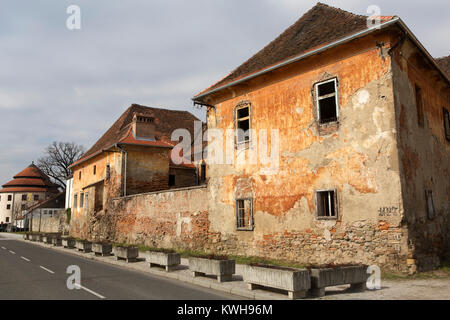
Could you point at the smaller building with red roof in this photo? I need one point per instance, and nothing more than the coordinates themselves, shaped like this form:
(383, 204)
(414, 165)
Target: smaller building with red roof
(26, 189)
(132, 157)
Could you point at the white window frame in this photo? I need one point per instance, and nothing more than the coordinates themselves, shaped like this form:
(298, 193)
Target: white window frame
(240, 106)
(316, 88)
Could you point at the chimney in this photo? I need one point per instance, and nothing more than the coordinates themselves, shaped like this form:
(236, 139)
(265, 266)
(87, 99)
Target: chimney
(143, 127)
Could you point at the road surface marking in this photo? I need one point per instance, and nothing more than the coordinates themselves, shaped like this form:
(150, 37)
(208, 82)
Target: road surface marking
(12, 252)
(3, 248)
(25, 259)
(90, 291)
(48, 270)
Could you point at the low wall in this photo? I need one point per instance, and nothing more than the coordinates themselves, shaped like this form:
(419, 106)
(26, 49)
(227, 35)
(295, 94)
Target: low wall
(172, 219)
(43, 221)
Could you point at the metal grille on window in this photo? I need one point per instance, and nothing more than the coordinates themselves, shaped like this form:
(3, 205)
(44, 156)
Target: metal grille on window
(244, 214)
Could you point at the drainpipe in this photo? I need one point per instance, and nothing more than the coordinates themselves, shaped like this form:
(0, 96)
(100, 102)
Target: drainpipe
(124, 152)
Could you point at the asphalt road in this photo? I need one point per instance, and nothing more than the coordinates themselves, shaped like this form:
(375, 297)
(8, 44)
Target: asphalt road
(32, 272)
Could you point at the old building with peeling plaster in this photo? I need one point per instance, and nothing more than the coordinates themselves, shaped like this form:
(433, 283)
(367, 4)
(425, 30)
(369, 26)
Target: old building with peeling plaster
(364, 154)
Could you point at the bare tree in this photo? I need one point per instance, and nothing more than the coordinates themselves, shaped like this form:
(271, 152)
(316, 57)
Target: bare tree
(57, 158)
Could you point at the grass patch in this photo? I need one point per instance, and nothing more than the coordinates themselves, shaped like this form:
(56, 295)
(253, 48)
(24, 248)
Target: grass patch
(442, 272)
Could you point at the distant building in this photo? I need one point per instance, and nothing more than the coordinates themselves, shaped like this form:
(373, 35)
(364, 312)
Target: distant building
(132, 157)
(27, 188)
(46, 216)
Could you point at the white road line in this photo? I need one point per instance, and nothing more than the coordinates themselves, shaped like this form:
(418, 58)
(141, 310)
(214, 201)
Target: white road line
(90, 291)
(48, 270)
(3, 248)
(12, 252)
(25, 259)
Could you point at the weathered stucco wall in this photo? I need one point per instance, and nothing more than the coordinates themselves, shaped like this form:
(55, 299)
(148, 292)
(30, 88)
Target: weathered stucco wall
(425, 156)
(147, 169)
(170, 219)
(43, 221)
(81, 223)
(359, 159)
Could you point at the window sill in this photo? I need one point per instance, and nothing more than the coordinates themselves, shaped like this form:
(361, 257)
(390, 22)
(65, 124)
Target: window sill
(326, 218)
(245, 229)
(243, 145)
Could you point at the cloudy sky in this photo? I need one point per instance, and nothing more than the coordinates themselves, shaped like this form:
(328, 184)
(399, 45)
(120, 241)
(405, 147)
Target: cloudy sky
(58, 84)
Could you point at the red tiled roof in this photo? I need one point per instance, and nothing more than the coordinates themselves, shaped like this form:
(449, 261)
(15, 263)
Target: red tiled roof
(166, 121)
(130, 139)
(25, 182)
(23, 189)
(31, 179)
(318, 27)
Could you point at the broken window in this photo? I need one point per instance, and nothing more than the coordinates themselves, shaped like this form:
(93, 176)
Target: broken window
(243, 123)
(419, 106)
(326, 204)
(446, 123)
(171, 180)
(244, 214)
(327, 101)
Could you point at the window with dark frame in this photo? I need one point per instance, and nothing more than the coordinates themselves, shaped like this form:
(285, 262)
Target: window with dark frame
(8, 207)
(24, 197)
(7, 219)
(79, 175)
(36, 197)
(95, 170)
(446, 123)
(75, 201)
(419, 106)
(203, 173)
(326, 204)
(9, 197)
(327, 101)
(81, 200)
(171, 180)
(244, 214)
(243, 123)
(86, 201)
